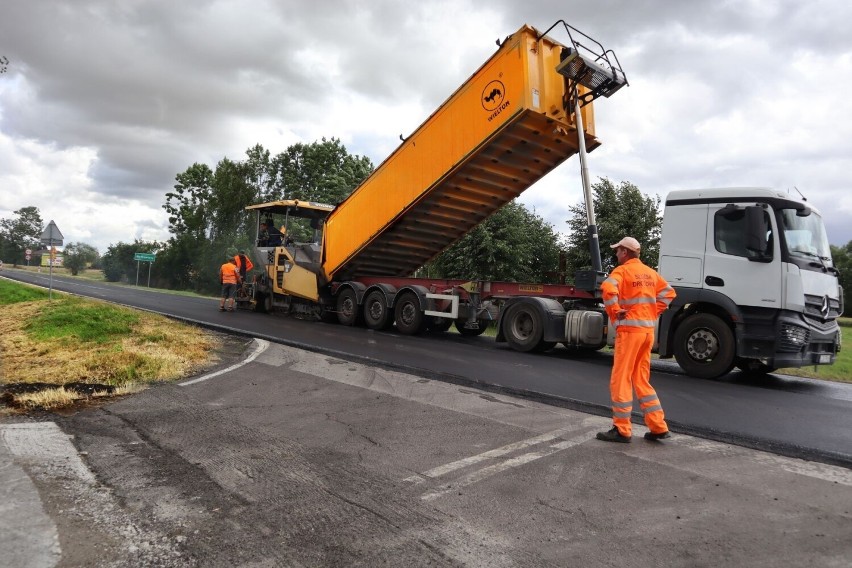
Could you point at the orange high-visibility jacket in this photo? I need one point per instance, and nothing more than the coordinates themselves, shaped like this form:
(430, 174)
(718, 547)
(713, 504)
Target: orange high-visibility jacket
(637, 288)
(229, 274)
(249, 264)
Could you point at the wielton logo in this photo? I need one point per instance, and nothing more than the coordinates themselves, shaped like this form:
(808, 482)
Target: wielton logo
(492, 95)
(493, 98)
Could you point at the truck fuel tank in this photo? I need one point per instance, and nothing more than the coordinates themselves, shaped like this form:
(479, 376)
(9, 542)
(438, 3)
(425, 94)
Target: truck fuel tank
(584, 328)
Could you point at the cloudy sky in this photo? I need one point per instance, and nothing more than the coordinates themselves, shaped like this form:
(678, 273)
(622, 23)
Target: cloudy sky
(103, 102)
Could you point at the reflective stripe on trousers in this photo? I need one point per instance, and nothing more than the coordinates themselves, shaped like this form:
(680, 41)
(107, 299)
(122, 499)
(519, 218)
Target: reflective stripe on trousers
(631, 371)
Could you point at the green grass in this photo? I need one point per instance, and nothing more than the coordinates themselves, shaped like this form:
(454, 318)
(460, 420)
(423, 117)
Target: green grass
(74, 319)
(13, 293)
(98, 276)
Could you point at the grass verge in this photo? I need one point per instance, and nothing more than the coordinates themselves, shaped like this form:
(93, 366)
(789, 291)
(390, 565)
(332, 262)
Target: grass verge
(73, 341)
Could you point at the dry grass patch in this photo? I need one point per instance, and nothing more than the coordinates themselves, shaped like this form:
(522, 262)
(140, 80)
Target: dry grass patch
(60, 397)
(74, 340)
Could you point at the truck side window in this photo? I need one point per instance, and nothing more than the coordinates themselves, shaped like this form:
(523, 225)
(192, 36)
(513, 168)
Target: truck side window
(729, 234)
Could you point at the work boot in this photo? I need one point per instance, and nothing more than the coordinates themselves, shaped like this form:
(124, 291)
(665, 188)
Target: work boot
(613, 435)
(658, 436)
(221, 308)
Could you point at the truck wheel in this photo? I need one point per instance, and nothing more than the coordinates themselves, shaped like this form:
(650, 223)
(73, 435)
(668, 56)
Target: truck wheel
(408, 315)
(522, 327)
(467, 332)
(260, 303)
(376, 312)
(704, 346)
(347, 307)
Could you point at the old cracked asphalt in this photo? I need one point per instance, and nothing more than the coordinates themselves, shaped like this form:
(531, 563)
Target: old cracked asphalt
(300, 459)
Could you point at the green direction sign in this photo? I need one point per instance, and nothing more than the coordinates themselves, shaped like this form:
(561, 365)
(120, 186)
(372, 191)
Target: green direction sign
(144, 256)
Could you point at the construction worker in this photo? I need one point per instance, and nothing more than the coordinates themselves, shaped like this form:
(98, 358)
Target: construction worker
(634, 296)
(243, 263)
(229, 276)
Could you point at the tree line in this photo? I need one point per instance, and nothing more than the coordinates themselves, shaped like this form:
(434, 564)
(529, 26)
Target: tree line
(208, 224)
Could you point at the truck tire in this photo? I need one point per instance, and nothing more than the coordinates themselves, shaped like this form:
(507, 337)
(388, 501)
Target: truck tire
(347, 307)
(704, 346)
(376, 311)
(522, 327)
(467, 332)
(408, 315)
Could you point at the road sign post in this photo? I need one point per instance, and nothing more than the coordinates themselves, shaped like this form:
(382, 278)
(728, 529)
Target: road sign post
(51, 237)
(144, 257)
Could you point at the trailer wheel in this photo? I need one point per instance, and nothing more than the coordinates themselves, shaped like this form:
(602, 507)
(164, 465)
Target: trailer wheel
(704, 346)
(376, 312)
(347, 307)
(522, 327)
(408, 315)
(467, 332)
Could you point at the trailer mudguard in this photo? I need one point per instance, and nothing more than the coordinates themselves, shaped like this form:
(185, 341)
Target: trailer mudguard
(551, 312)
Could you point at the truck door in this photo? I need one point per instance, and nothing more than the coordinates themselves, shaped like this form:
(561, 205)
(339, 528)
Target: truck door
(734, 267)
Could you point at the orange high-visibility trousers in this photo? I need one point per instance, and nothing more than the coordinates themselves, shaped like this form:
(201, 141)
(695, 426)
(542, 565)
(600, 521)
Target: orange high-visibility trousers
(631, 371)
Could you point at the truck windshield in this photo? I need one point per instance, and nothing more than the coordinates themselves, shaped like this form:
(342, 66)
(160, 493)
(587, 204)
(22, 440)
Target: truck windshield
(805, 236)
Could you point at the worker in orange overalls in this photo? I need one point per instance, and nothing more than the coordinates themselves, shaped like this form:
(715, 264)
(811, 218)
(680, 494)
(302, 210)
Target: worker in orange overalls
(229, 276)
(243, 263)
(634, 296)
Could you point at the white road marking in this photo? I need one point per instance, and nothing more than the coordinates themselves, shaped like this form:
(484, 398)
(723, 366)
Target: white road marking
(824, 472)
(496, 453)
(262, 345)
(486, 472)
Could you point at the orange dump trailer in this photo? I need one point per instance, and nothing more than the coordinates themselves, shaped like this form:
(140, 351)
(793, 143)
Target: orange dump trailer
(507, 126)
(500, 132)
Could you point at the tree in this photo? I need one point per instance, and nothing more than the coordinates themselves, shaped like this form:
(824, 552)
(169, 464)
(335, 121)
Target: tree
(514, 245)
(842, 257)
(118, 264)
(77, 256)
(20, 233)
(189, 204)
(620, 211)
(232, 191)
(321, 171)
(207, 216)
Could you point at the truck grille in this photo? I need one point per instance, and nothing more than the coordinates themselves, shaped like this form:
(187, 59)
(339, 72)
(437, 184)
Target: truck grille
(792, 338)
(822, 307)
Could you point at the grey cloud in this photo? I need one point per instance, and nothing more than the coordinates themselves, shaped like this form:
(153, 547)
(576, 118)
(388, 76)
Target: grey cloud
(155, 86)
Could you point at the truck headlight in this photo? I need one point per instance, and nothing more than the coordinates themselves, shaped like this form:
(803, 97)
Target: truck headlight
(792, 337)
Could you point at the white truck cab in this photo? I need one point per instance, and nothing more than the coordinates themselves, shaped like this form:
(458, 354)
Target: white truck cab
(755, 283)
